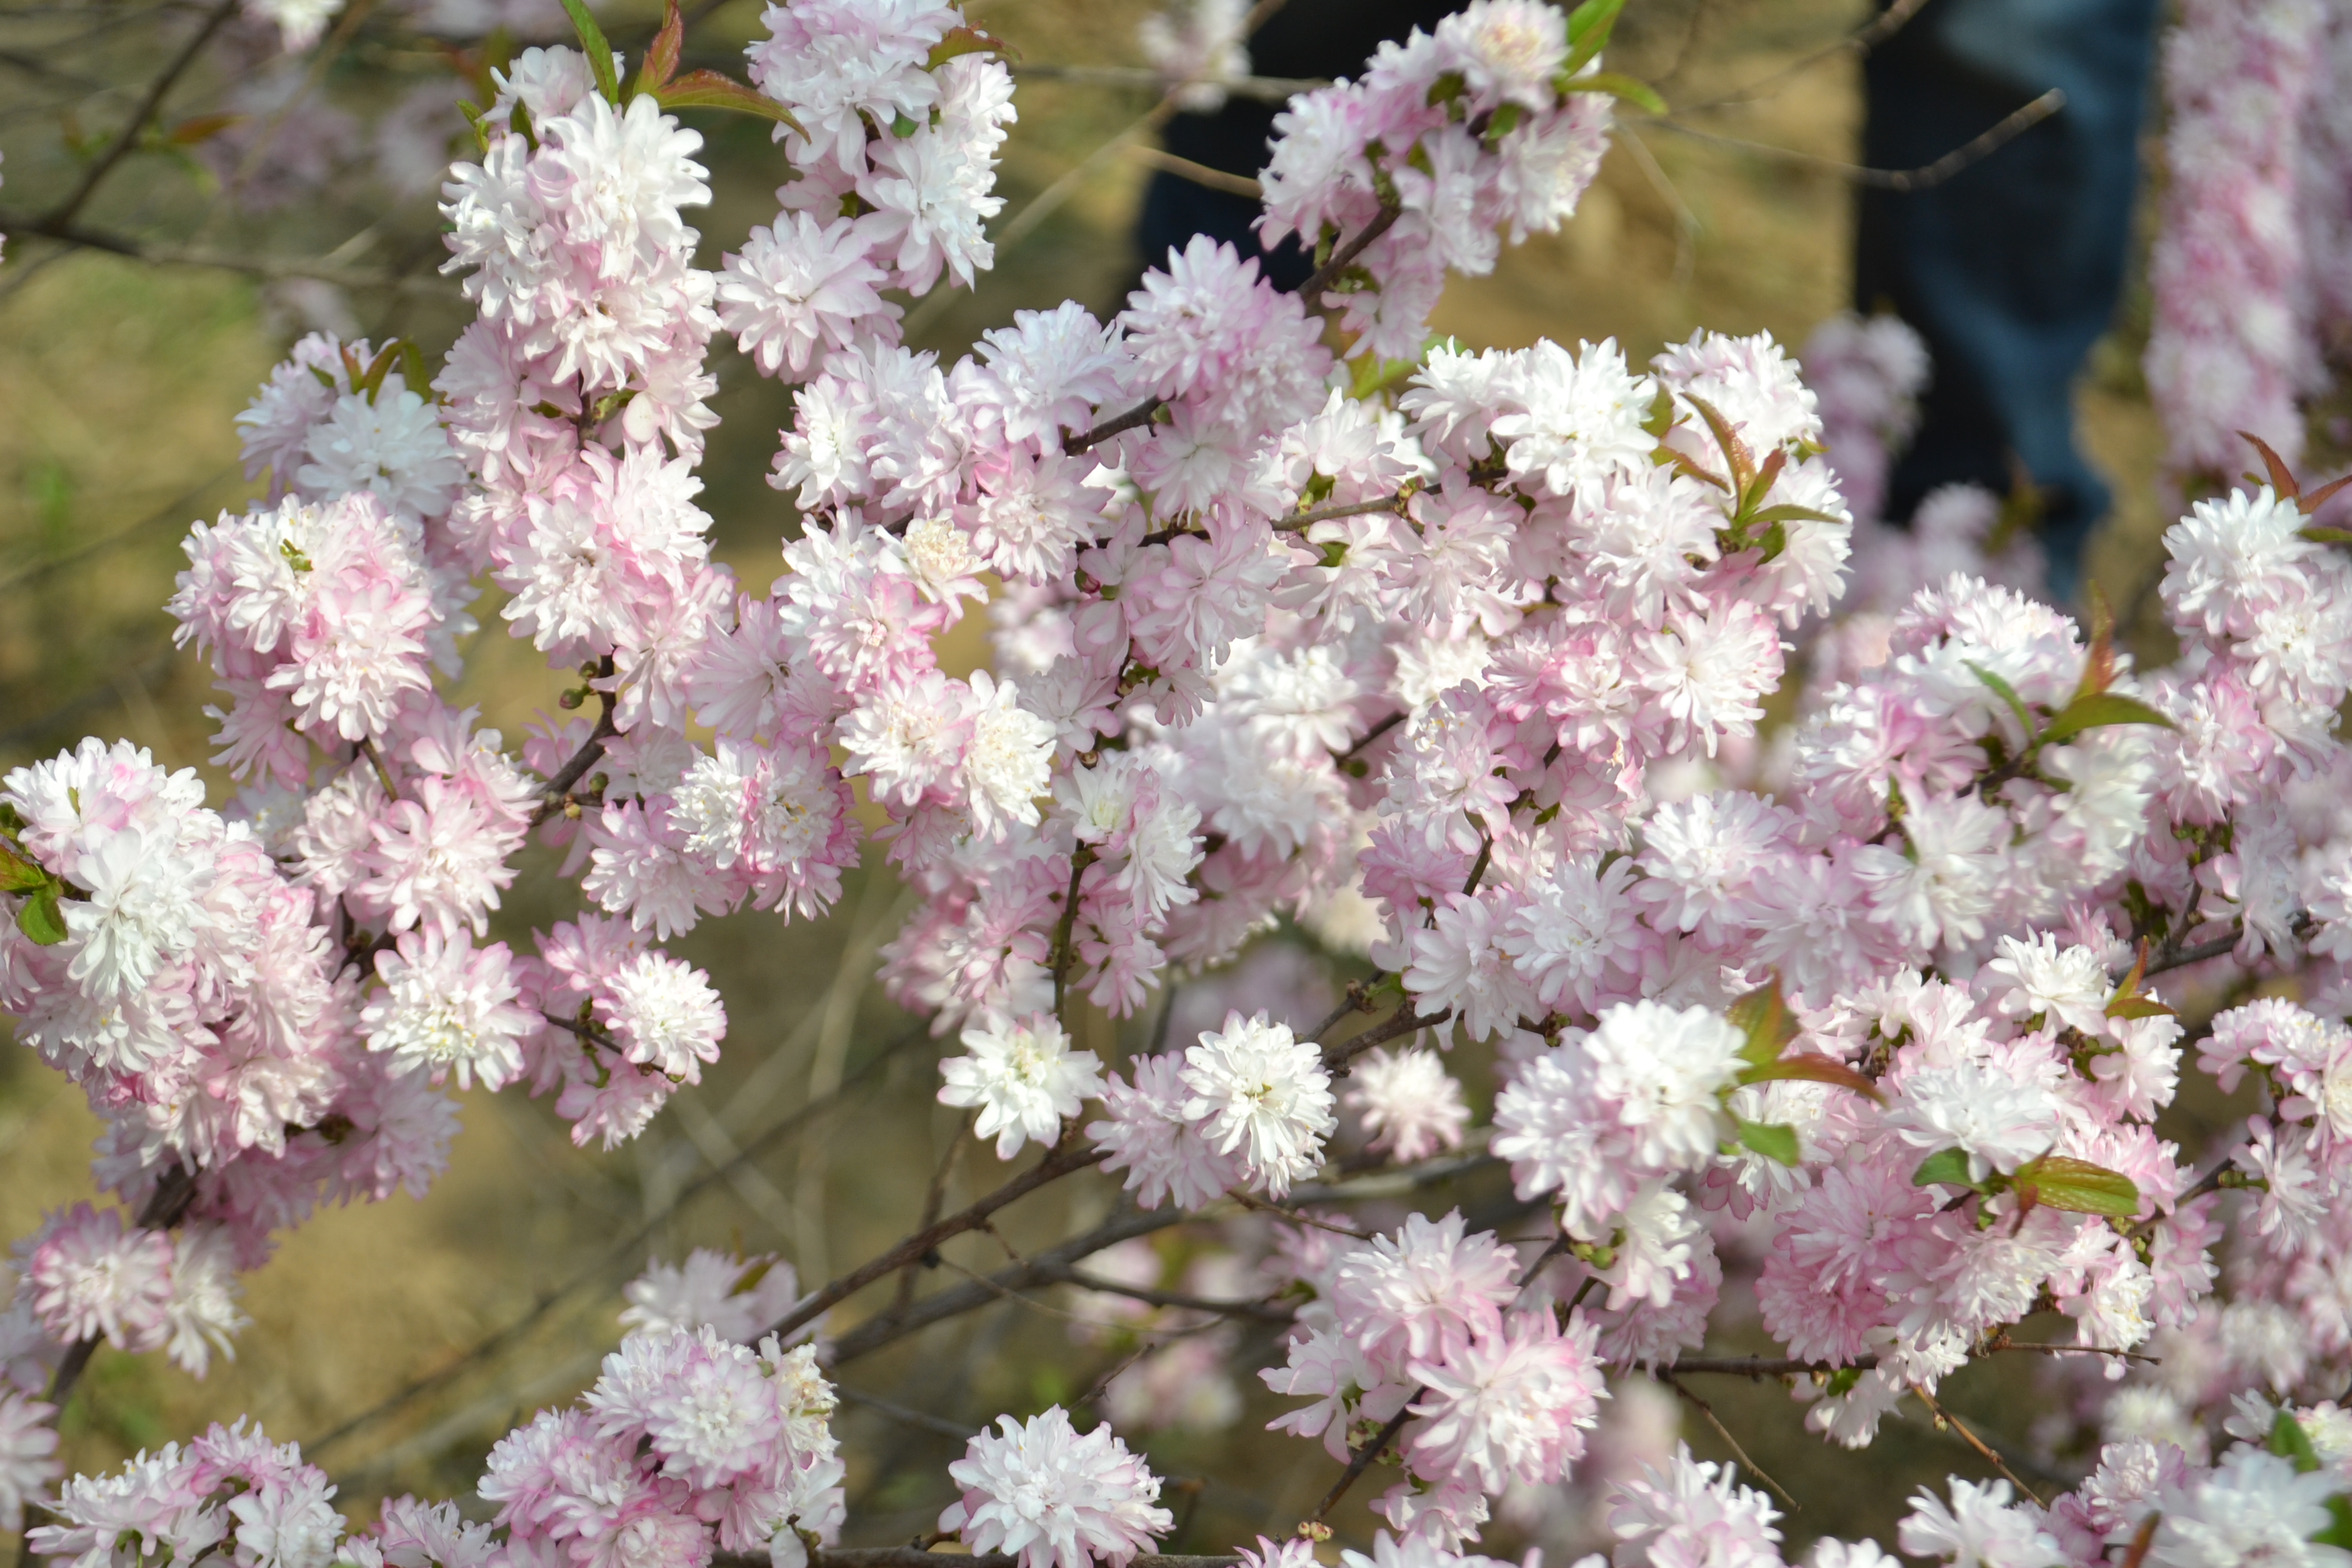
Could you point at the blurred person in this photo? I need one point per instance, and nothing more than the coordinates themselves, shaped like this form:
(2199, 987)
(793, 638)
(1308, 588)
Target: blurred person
(1303, 39)
(2011, 268)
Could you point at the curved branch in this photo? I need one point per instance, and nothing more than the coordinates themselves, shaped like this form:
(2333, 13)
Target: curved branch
(1070, 1154)
(1134, 418)
(1342, 258)
(122, 145)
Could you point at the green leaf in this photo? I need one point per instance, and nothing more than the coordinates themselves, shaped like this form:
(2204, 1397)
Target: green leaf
(1763, 1016)
(2080, 1187)
(599, 52)
(1786, 511)
(2139, 1007)
(2290, 1441)
(1588, 27)
(2319, 535)
(1502, 123)
(1772, 1139)
(1660, 416)
(1617, 84)
(708, 89)
(661, 60)
(2339, 1529)
(41, 919)
(18, 875)
(1735, 451)
(969, 41)
(2008, 693)
(1804, 1067)
(2098, 708)
(1945, 1168)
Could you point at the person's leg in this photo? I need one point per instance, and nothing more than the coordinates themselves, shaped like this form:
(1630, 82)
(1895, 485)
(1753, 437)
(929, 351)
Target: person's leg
(2011, 270)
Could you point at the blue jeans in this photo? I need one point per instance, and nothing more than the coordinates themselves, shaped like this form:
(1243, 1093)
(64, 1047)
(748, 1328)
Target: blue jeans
(2011, 268)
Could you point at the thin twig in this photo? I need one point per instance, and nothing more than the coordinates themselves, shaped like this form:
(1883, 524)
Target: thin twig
(1405, 1020)
(1262, 88)
(1861, 41)
(78, 236)
(904, 1415)
(1362, 1457)
(1269, 1310)
(1731, 1441)
(1199, 173)
(367, 749)
(933, 1201)
(1068, 1155)
(1306, 520)
(1945, 1418)
(1065, 929)
(1374, 734)
(1311, 291)
(122, 145)
(164, 1208)
(555, 795)
(1978, 148)
(621, 1251)
(1134, 418)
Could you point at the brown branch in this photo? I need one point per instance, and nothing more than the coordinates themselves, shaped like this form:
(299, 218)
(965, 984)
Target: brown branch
(1305, 520)
(555, 795)
(1070, 1154)
(1374, 734)
(166, 1208)
(1266, 1310)
(78, 236)
(1861, 41)
(933, 1201)
(1199, 173)
(623, 1250)
(892, 1326)
(1404, 1021)
(1945, 1418)
(1311, 291)
(1065, 929)
(1731, 1441)
(1359, 1461)
(1054, 1265)
(122, 145)
(1999, 135)
(1133, 419)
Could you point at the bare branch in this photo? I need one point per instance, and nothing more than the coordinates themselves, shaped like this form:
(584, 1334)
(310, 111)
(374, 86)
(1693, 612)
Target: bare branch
(1978, 148)
(140, 116)
(1311, 291)
(78, 236)
(1359, 1461)
(1133, 419)
(1068, 1155)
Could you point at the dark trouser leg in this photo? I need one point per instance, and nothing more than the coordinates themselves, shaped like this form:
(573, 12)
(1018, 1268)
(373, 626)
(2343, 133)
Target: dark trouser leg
(2011, 270)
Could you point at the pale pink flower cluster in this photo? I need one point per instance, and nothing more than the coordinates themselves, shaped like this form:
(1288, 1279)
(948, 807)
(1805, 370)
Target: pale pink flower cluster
(865, 212)
(2232, 347)
(231, 1494)
(690, 1442)
(1462, 670)
(1478, 128)
(1423, 1323)
(1053, 1497)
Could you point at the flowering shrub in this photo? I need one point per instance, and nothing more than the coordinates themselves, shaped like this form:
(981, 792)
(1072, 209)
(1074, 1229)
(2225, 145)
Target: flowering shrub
(1458, 661)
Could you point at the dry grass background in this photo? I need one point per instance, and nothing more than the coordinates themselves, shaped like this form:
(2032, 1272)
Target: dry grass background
(117, 388)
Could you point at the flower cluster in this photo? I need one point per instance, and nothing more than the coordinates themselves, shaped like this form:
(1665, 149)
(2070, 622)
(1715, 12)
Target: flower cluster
(2231, 347)
(1457, 668)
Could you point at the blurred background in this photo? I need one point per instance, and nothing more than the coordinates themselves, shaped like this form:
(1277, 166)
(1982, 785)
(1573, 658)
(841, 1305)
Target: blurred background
(397, 1341)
